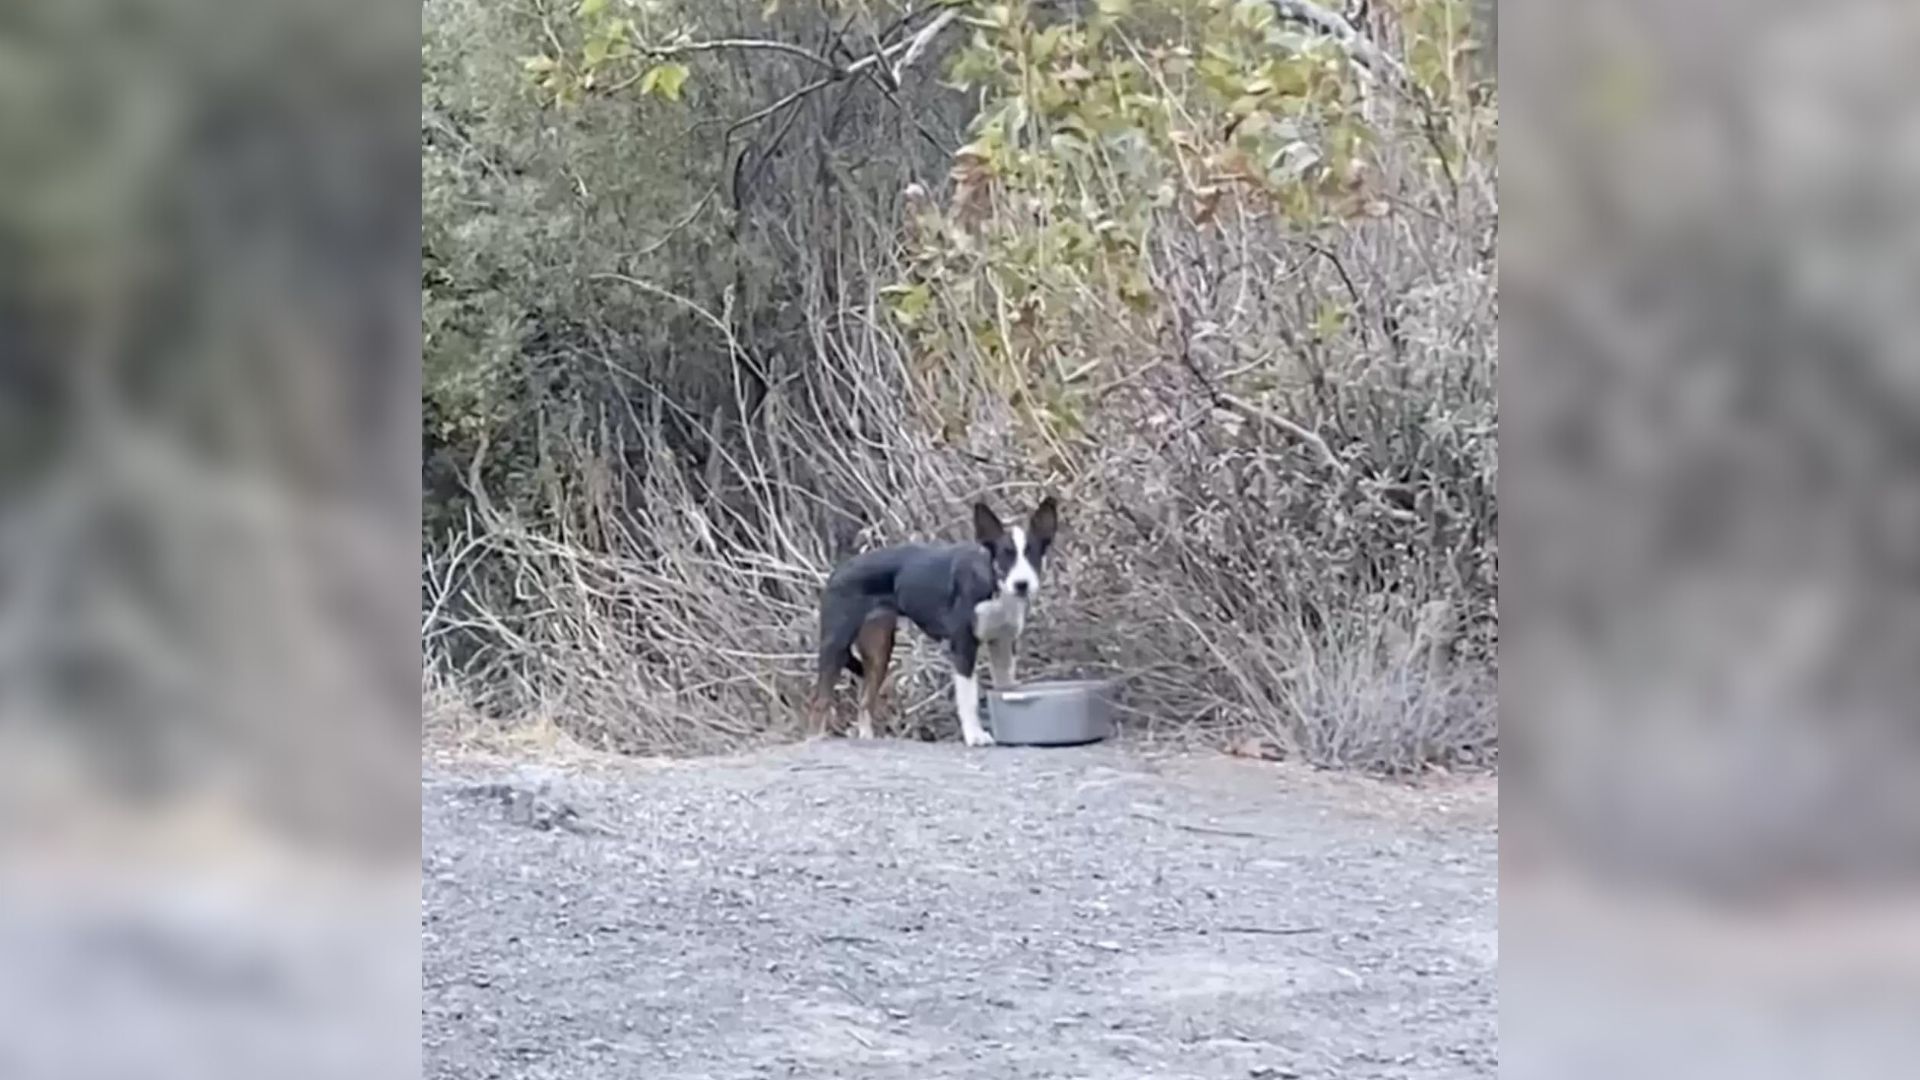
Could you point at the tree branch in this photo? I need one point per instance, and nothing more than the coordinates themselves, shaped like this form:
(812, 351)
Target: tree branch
(914, 47)
(917, 45)
(1292, 427)
(1334, 26)
(719, 44)
(758, 115)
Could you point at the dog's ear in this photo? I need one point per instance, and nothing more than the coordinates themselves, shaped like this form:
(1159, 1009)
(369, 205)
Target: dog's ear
(986, 524)
(1045, 521)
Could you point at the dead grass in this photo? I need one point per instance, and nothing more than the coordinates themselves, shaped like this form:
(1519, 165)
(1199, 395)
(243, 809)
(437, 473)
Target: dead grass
(680, 619)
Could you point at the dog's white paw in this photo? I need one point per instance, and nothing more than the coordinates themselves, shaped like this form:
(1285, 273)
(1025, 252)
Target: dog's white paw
(977, 738)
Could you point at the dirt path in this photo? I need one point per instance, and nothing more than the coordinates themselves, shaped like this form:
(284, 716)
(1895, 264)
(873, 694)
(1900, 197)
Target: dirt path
(916, 910)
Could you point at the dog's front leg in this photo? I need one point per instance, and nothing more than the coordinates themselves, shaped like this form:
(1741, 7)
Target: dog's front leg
(966, 700)
(966, 693)
(1000, 659)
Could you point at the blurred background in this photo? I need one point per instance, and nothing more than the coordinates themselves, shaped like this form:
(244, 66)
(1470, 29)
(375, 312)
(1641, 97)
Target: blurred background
(209, 543)
(208, 495)
(1710, 259)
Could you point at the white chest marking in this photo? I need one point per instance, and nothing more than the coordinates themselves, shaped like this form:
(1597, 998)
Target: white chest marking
(1002, 617)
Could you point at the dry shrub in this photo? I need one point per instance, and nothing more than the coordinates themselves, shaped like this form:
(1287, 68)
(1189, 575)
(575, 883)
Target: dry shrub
(1233, 582)
(1277, 524)
(678, 616)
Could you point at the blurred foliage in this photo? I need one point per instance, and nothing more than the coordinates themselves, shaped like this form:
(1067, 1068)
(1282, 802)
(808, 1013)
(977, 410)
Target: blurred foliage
(207, 229)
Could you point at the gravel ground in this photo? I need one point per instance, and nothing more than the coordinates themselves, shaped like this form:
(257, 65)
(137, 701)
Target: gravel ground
(916, 910)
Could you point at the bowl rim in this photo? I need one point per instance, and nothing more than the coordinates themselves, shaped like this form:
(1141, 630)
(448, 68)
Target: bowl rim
(1053, 686)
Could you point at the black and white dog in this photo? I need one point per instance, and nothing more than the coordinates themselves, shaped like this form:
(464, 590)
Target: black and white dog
(966, 595)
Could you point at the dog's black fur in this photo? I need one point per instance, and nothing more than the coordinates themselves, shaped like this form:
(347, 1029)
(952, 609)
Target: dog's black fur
(937, 587)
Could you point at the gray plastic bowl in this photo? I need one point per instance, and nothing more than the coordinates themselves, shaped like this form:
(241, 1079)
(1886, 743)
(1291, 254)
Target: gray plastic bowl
(1065, 713)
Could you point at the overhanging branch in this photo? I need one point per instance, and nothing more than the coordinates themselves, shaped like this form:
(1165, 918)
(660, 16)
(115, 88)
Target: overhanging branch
(1332, 24)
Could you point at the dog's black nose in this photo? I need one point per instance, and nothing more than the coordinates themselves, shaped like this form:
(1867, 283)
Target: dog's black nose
(1020, 588)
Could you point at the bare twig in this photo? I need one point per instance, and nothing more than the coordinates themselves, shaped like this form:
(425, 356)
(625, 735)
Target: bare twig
(913, 46)
(782, 102)
(917, 45)
(675, 228)
(1338, 28)
(745, 45)
(1267, 416)
(1203, 830)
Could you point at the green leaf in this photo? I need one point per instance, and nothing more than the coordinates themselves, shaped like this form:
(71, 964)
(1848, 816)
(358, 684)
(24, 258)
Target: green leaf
(1221, 74)
(1046, 44)
(538, 65)
(986, 148)
(1245, 105)
(589, 8)
(1253, 15)
(1331, 319)
(974, 65)
(664, 80)
(909, 301)
(1136, 292)
(1290, 77)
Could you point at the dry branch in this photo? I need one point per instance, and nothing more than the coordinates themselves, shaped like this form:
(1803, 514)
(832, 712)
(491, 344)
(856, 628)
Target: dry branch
(1330, 23)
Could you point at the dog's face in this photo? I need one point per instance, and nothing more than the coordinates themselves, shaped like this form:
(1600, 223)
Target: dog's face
(1018, 551)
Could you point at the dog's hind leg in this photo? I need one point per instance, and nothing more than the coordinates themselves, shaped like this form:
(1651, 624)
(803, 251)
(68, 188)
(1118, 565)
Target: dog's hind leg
(839, 625)
(820, 703)
(876, 653)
